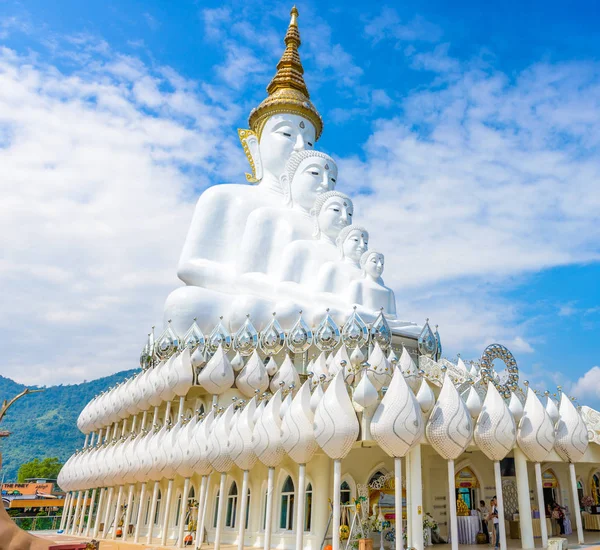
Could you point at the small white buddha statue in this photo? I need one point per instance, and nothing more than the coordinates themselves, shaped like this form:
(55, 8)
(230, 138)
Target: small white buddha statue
(335, 276)
(268, 230)
(370, 293)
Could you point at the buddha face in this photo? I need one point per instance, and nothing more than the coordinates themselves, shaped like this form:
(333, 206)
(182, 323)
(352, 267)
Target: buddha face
(335, 214)
(355, 245)
(281, 136)
(314, 176)
(374, 265)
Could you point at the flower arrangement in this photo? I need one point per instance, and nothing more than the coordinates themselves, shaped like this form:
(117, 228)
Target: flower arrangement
(588, 500)
(429, 522)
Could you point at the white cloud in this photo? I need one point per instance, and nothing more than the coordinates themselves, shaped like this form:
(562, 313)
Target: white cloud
(98, 168)
(389, 25)
(588, 386)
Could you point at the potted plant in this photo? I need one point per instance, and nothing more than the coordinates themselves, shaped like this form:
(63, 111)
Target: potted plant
(587, 502)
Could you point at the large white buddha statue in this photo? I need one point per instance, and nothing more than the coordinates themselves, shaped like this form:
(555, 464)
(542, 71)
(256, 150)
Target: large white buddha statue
(285, 122)
(370, 293)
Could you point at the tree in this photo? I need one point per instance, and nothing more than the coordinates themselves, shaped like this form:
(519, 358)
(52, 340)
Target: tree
(47, 468)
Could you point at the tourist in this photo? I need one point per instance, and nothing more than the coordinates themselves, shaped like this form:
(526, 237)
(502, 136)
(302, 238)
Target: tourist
(494, 517)
(483, 515)
(558, 514)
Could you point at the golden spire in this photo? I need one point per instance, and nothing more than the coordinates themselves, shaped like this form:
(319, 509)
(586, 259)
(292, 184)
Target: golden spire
(287, 91)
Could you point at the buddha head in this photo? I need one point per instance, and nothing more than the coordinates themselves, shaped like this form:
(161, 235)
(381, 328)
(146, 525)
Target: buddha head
(352, 242)
(372, 264)
(307, 175)
(286, 120)
(331, 212)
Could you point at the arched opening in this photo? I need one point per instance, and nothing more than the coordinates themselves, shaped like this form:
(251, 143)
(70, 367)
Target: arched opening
(308, 507)
(178, 510)
(146, 517)
(190, 507)
(580, 493)
(232, 499)
(595, 487)
(216, 512)
(345, 493)
(286, 518)
(466, 485)
(550, 488)
(157, 513)
(248, 509)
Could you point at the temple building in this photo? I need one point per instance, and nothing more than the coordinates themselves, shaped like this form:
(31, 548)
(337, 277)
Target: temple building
(286, 404)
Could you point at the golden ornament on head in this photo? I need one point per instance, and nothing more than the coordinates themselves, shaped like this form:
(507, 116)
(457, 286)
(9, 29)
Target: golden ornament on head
(287, 92)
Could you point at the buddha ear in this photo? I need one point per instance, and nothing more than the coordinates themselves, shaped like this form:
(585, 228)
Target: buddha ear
(249, 141)
(286, 187)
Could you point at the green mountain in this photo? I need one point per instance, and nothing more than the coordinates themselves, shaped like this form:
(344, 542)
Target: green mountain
(45, 424)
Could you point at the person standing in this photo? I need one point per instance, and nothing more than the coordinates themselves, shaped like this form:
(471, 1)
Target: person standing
(484, 511)
(496, 522)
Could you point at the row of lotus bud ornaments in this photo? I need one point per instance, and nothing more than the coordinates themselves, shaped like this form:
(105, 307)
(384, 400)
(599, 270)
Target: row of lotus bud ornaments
(178, 364)
(325, 414)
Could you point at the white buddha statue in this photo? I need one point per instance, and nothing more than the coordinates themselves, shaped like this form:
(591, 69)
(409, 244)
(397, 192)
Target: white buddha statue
(285, 122)
(308, 174)
(370, 294)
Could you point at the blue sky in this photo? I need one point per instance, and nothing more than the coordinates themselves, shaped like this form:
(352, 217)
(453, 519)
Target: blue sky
(468, 133)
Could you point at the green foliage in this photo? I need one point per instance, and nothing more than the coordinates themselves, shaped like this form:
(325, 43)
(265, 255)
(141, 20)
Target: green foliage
(45, 424)
(47, 468)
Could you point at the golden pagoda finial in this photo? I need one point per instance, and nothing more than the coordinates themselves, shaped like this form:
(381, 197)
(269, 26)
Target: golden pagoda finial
(287, 91)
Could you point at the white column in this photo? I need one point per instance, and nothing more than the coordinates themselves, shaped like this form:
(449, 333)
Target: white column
(269, 511)
(525, 521)
(220, 509)
(575, 505)
(335, 527)
(243, 511)
(416, 489)
(452, 504)
(152, 513)
(409, 508)
(65, 510)
(99, 512)
(183, 511)
(397, 502)
(202, 501)
(117, 512)
(299, 507)
(83, 507)
(540, 497)
(76, 515)
(90, 513)
(165, 525)
(108, 511)
(500, 506)
(128, 512)
(140, 514)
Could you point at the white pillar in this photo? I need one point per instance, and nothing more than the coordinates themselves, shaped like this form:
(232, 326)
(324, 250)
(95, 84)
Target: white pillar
(99, 512)
(243, 512)
(128, 512)
(165, 525)
(500, 505)
(299, 507)
(90, 513)
(416, 488)
(269, 511)
(525, 521)
(117, 512)
(202, 501)
(220, 509)
(140, 514)
(108, 511)
(152, 513)
(397, 502)
(452, 503)
(337, 481)
(76, 515)
(575, 505)
(540, 497)
(65, 510)
(409, 508)
(83, 507)
(183, 511)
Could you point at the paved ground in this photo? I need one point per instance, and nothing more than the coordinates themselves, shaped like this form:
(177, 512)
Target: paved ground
(592, 538)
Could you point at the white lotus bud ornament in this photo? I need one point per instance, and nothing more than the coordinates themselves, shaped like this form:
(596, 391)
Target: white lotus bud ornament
(217, 376)
(240, 440)
(336, 426)
(297, 436)
(473, 403)
(571, 432)
(398, 422)
(253, 377)
(266, 437)
(535, 434)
